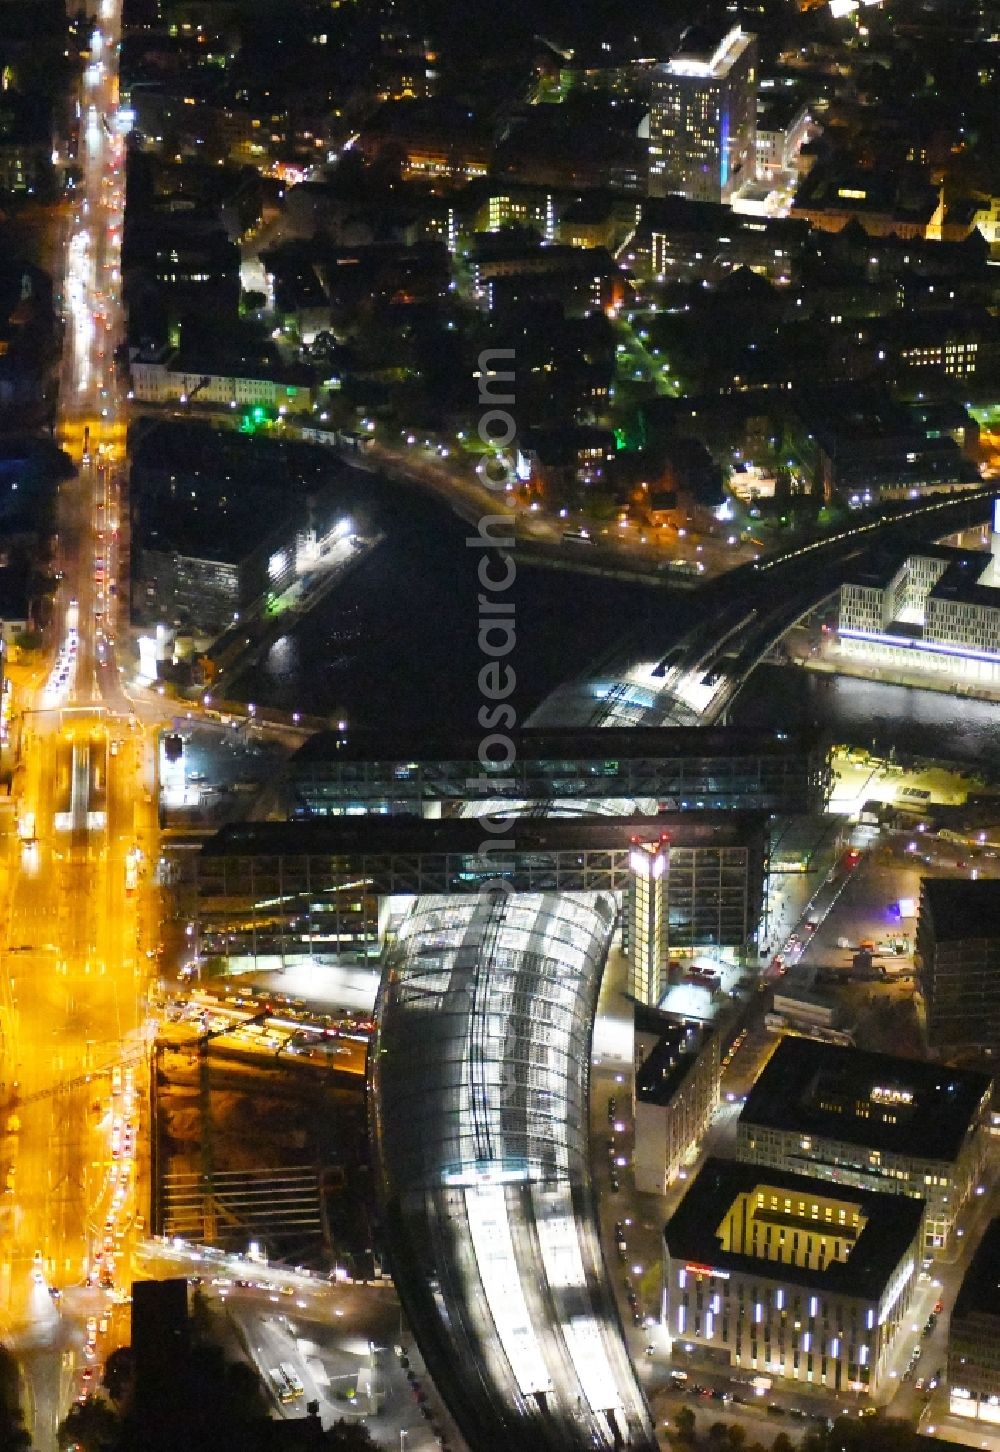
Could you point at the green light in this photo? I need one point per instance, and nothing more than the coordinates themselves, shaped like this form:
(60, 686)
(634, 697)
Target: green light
(259, 414)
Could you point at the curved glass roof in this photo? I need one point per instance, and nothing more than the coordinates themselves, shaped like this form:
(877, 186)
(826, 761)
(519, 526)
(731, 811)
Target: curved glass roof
(480, 1068)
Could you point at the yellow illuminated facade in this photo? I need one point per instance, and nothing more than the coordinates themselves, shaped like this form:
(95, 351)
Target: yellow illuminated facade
(810, 1232)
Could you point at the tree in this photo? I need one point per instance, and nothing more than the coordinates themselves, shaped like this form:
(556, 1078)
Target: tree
(118, 1370)
(91, 1426)
(12, 1433)
(737, 1436)
(684, 1423)
(718, 1433)
(782, 1443)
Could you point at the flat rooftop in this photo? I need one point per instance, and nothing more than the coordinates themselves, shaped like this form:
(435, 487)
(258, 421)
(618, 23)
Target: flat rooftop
(664, 1070)
(891, 1223)
(211, 521)
(902, 1106)
(962, 909)
(980, 1293)
(556, 744)
(465, 835)
(708, 50)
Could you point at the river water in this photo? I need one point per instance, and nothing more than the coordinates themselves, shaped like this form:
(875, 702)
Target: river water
(396, 646)
(873, 714)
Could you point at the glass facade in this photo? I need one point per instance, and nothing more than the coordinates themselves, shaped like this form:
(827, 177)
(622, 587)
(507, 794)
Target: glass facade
(480, 1072)
(703, 770)
(292, 902)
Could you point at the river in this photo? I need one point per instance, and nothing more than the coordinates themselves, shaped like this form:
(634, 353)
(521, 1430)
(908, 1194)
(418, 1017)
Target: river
(396, 645)
(872, 713)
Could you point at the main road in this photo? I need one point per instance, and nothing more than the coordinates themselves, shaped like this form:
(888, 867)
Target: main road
(80, 915)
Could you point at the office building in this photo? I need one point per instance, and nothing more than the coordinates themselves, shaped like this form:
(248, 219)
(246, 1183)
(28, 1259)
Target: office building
(703, 117)
(895, 1126)
(974, 1335)
(791, 1276)
(681, 900)
(681, 240)
(935, 612)
(784, 122)
(202, 556)
(167, 377)
(570, 769)
(958, 955)
(860, 443)
(279, 892)
(648, 919)
(676, 1093)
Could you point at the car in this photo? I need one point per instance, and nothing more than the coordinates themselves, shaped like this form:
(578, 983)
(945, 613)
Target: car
(938, 1307)
(919, 1384)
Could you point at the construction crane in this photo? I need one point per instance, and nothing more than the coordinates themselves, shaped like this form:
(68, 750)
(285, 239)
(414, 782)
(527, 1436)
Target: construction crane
(205, 1114)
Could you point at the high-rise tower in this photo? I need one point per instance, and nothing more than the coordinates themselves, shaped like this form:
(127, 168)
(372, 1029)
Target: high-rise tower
(703, 117)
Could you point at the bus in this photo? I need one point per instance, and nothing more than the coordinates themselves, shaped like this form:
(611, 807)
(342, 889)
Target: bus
(292, 1378)
(281, 1385)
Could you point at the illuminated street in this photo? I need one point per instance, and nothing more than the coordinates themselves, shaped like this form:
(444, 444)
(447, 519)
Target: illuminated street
(80, 910)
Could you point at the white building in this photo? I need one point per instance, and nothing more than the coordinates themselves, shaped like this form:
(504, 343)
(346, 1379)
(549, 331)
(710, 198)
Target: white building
(676, 1094)
(167, 378)
(703, 117)
(871, 1121)
(790, 1276)
(783, 126)
(938, 611)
